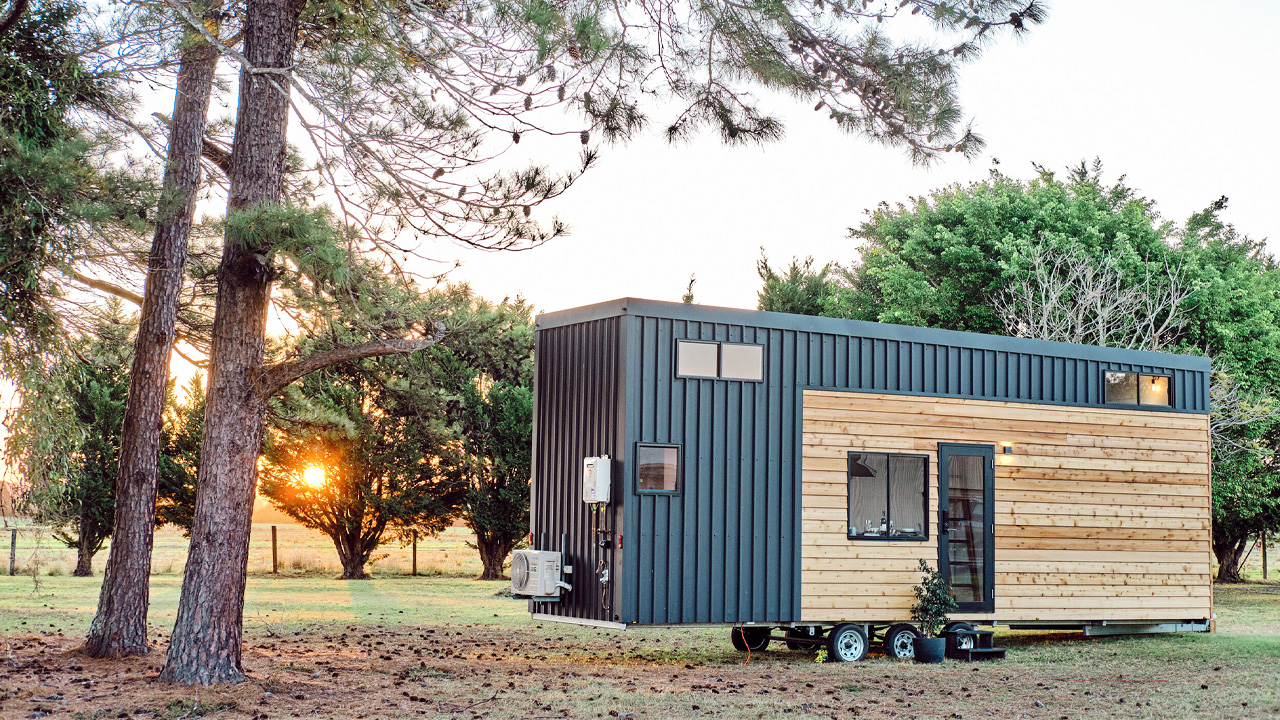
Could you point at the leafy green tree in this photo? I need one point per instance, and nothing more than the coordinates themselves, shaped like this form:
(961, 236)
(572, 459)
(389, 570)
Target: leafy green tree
(351, 420)
(495, 458)
(179, 460)
(943, 259)
(481, 386)
(67, 434)
(969, 258)
(800, 290)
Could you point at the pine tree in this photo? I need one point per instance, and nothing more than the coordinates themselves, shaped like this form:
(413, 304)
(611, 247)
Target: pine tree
(67, 432)
(408, 98)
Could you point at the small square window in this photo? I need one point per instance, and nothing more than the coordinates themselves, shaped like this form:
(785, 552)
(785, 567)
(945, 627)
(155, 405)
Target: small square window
(1121, 388)
(658, 468)
(1153, 390)
(697, 359)
(742, 362)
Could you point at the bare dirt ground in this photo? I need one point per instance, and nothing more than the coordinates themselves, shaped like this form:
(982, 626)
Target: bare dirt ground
(515, 668)
(452, 647)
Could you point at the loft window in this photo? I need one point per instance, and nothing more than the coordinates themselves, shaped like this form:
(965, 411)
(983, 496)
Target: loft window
(1125, 388)
(726, 361)
(697, 359)
(888, 496)
(657, 468)
(742, 362)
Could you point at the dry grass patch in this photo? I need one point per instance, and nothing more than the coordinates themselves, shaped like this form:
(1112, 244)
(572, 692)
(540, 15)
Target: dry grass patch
(449, 648)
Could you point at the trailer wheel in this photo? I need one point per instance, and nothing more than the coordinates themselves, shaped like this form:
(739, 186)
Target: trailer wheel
(846, 643)
(964, 642)
(898, 639)
(753, 639)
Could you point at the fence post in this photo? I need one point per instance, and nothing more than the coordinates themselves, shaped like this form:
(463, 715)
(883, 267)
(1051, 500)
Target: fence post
(415, 554)
(275, 559)
(13, 551)
(1264, 556)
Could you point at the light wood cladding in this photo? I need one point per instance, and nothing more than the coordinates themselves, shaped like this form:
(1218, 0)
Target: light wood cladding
(1100, 513)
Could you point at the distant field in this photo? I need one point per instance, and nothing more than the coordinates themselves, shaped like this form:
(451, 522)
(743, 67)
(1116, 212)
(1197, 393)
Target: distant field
(307, 551)
(301, 551)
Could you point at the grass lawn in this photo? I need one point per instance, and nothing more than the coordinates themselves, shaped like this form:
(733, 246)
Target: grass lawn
(448, 647)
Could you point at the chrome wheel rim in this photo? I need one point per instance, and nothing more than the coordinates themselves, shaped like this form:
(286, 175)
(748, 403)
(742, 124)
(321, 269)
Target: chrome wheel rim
(903, 647)
(964, 642)
(849, 646)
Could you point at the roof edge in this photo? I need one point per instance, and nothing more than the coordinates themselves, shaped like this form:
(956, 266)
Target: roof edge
(862, 328)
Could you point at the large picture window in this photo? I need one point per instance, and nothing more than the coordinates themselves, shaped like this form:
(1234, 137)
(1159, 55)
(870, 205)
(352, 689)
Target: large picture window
(888, 496)
(1125, 388)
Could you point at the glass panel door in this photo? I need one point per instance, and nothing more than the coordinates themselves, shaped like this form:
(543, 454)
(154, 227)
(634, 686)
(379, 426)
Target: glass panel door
(965, 539)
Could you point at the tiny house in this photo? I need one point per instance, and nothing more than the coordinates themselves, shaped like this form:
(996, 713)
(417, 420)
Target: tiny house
(759, 471)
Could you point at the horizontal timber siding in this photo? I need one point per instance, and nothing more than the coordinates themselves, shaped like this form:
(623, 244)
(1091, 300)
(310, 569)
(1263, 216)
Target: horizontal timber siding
(1100, 513)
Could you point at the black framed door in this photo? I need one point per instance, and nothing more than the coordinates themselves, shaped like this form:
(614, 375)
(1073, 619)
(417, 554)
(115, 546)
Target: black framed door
(966, 517)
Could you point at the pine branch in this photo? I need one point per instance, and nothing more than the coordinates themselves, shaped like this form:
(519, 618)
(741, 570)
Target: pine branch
(276, 377)
(15, 11)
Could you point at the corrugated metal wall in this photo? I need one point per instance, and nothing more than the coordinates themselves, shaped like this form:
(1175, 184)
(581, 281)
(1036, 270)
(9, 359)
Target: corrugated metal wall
(727, 548)
(577, 414)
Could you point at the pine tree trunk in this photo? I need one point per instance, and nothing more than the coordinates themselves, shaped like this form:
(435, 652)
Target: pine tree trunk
(120, 626)
(84, 560)
(493, 555)
(205, 645)
(1228, 551)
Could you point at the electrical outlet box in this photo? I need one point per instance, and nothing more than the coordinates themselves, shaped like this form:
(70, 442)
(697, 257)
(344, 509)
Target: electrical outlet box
(597, 479)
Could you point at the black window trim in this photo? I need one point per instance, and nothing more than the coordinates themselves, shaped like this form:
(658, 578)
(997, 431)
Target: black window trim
(923, 536)
(1102, 389)
(675, 366)
(679, 469)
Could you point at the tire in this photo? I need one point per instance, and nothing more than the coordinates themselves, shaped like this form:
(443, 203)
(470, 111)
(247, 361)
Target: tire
(898, 641)
(809, 633)
(962, 643)
(753, 639)
(846, 643)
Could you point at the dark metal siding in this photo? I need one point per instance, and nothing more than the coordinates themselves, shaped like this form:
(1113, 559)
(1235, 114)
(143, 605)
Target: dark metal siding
(577, 414)
(727, 548)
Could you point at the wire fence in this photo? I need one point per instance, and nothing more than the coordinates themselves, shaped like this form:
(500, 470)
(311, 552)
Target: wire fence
(281, 549)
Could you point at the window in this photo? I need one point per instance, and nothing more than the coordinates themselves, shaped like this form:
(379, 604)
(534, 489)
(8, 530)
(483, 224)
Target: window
(742, 362)
(1123, 388)
(888, 496)
(697, 359)
(657, 468)
(727, 361)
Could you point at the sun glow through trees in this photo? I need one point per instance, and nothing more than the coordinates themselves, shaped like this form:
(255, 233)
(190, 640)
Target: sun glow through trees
(313, 476)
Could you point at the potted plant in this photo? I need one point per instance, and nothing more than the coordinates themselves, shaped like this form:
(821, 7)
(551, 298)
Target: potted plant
(933, 602)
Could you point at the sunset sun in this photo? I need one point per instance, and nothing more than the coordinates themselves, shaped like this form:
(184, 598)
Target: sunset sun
(313, 475)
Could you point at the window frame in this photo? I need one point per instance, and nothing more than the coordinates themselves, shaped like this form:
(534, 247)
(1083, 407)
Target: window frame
(720, 370)
(719, 344)
(679, 469)
(1139, 404)
(888, 501)
(675, 366)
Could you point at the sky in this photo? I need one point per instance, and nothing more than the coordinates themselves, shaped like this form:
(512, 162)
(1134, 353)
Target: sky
(1179, 97)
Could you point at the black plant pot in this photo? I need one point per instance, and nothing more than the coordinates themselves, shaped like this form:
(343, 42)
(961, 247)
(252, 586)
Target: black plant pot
(929, 650)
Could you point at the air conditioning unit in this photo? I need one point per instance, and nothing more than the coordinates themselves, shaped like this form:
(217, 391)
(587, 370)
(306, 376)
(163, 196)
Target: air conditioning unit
(538, 575)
